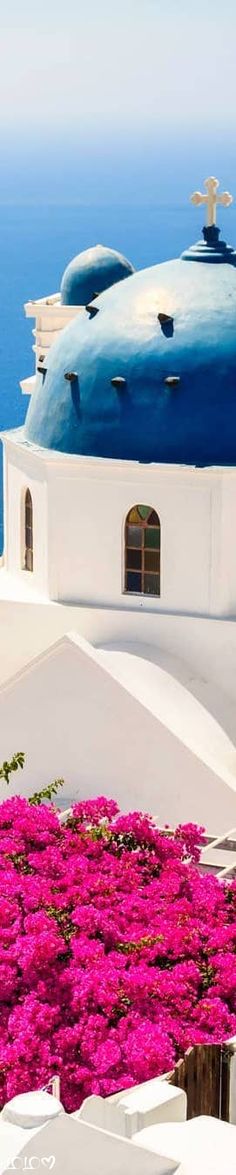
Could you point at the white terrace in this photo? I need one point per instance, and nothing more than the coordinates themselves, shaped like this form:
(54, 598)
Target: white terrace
(50, 316)
(138, 1132)
(218, 854)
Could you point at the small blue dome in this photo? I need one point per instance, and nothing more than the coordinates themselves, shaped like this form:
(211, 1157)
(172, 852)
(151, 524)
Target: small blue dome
(90, 273)
(149, 372)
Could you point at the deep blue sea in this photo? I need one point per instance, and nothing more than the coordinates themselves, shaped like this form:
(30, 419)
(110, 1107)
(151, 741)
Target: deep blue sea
(36, 243)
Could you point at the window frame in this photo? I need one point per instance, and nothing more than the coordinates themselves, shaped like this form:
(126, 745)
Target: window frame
(28, 532)
(146, 550)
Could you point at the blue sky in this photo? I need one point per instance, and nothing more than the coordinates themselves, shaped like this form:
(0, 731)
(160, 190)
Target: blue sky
(87, 86)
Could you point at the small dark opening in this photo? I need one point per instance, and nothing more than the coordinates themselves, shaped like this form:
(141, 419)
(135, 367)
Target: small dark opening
(166, 324)
(92, 310)
(71, 376)
(118, 382)
(42, 371)
(172, 380)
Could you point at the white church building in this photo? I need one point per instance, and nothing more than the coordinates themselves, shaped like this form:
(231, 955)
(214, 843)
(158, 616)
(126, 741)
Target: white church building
(118, 578)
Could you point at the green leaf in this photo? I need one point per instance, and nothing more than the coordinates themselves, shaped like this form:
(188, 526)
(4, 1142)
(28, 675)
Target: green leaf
(8, 767)
(46, 793)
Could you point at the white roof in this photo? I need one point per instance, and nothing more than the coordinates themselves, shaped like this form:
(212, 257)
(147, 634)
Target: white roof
(176, 707)
(78, 1149)
(203, 1146)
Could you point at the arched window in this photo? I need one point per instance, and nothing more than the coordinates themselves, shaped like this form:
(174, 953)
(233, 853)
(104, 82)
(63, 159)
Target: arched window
(29, 555)
(142, 551)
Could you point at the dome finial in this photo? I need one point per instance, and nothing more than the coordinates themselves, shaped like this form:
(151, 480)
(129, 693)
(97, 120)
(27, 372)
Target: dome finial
(211, 199)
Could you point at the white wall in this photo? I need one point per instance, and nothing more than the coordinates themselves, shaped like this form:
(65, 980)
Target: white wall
(87, 551)
(77, 1148)
(196, 509)
(74, 720)
(133, 1110)
(80, 506)
(22, 474)
(228, 547)
(50, 318)
(199, 652)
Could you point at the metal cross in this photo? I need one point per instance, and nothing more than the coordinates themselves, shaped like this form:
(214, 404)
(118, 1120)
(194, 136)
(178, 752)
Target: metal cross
(211, 198)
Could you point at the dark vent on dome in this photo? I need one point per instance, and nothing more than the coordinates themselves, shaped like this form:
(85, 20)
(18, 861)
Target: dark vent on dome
(172, 380)
(167, 324)
(71, 376)
(42, 370)
(118, 382)
(92, 310)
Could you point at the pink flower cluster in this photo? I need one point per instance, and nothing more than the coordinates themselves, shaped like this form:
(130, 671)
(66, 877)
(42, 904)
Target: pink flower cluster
(116, 954)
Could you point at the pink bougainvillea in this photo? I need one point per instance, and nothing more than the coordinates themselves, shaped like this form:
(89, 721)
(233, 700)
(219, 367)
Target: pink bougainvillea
(115, 952)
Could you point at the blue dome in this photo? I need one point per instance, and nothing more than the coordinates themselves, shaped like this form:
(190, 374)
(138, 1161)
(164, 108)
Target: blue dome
(149, 372)
(92, 272)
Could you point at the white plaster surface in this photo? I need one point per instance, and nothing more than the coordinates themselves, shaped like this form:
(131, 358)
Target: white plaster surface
(78, 1149)
(159, 680)
(176, 708)
(203, 1146)
(51, 316)
(79, 538)
(232, 1103)
(73, 719)
(232, 1088)
(31, 1109)
(154, 1101)
(199, 652)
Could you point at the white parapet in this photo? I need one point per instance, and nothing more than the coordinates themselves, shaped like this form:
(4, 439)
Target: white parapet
(202, 1146)
(64, 1145)
(28, 385)
(145, 1105)
(231, 1046)
(50, 316)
